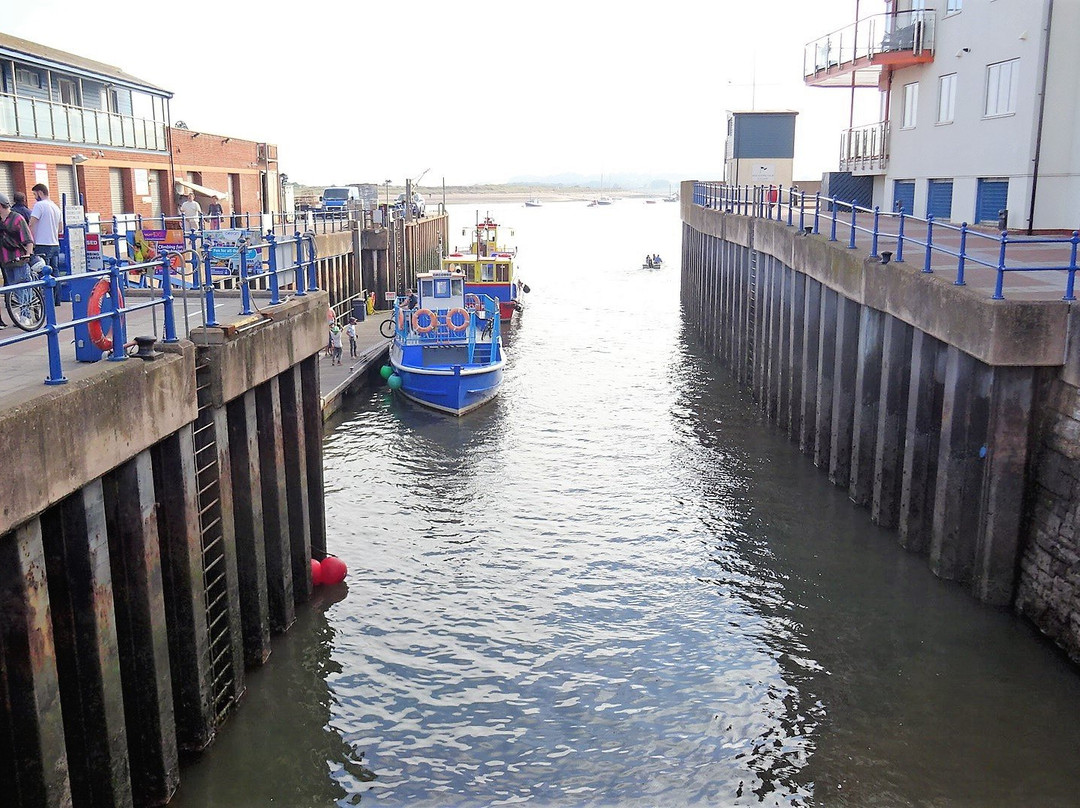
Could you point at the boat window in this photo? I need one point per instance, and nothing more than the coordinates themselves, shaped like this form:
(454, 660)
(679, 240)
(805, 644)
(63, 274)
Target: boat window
(488, 272)
(425, 289)
(442, 287)
(504, 273)
(456, 285)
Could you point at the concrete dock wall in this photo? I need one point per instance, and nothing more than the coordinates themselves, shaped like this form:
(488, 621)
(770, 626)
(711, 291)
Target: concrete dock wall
(952, 417)
(155, 534)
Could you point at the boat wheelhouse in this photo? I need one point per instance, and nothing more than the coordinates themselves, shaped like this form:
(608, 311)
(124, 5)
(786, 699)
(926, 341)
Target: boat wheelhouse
(488, 268)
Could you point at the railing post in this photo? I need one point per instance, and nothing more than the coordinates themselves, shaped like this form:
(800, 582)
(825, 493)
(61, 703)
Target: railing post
(929, 243)
(802, 211)
(208, 292)
(900, 239)
(1072, 266)
(275, 295)
(52, 336)
(874, 237)
(835, 212)
(790, 206)
(167, 299)
(298, 266)
(817, 210)
(851, 238)
(963, 256)
(119, 334)
(313, 278)
(998, 287)
(245, 289)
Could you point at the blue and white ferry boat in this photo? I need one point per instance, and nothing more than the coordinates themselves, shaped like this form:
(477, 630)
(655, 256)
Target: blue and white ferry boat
(447, 352)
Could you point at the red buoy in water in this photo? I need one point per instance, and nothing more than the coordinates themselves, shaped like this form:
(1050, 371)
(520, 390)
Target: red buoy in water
(333, 570)
(316, 572)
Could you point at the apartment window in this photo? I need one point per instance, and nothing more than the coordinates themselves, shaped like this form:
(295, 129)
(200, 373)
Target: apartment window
(69, 92)
(953, 6)
(25, 77)
(946, 98)
(911, 105)
(1002, 80)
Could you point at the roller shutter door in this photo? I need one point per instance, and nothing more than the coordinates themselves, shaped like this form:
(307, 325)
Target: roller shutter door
(116, 190)
(64, 186)
(992, 197)
(939, 199)
(7, 179)
(155, 192)
(904, 195)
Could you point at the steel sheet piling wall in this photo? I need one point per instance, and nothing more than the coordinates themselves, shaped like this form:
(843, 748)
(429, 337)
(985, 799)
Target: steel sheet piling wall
(922, 433)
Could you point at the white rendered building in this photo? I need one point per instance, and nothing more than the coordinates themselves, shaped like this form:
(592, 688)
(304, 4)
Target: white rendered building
(979, 106)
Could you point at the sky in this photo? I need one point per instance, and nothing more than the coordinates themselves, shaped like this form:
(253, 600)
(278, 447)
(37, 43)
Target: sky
(471, 92)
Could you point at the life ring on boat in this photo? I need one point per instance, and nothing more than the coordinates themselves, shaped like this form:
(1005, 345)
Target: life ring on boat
(433, 321)
(471, 301)
(450, 324)
(93, 308)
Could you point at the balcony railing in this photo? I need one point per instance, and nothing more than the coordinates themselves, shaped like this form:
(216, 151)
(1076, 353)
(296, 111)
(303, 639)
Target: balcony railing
(48, 120)
(899, 39)
(865, 149)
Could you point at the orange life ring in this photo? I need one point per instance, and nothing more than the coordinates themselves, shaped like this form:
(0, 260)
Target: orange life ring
(472, 301)
(433, 321)
(450, 320)
(93, 308)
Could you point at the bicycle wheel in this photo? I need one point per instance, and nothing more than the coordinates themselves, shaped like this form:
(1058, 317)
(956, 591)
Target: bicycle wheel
(386, 328)
(26, 307)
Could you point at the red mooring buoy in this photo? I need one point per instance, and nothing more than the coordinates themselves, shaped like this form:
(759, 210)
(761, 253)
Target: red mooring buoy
(333, 570)
(316, 573)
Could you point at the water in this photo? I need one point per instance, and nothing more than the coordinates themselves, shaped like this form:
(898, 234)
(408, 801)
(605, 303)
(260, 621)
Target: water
(616, 585)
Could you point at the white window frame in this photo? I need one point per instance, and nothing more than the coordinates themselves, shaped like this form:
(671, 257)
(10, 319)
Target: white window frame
(1002, 88)
(910, 106)
(953, 6)
(946, 107)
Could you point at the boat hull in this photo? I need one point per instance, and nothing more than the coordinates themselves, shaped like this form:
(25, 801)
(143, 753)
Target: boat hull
(456, 390)
(506, 294)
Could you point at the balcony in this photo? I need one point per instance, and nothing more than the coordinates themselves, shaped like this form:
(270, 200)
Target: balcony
(865, 149)
(36, 119)
(857, 54)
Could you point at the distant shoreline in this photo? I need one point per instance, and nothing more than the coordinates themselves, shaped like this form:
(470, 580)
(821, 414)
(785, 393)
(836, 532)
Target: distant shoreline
(459, 197)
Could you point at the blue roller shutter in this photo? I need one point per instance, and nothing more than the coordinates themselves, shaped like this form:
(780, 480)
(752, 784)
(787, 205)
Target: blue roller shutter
(939, 199)
(904, 194)
(992, 197)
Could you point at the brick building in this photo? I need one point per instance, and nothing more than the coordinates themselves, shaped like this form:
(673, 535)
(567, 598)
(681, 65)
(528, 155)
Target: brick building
(57, 108)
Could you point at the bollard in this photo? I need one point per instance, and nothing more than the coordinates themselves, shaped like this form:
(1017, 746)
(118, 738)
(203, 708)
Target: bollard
(52, 336)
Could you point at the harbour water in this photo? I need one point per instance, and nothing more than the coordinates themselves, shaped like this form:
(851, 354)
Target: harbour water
(617, 585)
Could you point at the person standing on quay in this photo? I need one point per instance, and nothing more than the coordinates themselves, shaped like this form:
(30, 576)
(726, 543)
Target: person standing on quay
(45, 224)
(16, 244)
(335, 341)
(214, 211)
(191, 211)
(20, 205)
(350, 332)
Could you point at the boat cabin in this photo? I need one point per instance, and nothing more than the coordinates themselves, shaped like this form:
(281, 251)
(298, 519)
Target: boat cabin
(441, 290)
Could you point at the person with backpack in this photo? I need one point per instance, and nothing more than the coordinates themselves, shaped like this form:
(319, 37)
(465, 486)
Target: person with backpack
(16, 245)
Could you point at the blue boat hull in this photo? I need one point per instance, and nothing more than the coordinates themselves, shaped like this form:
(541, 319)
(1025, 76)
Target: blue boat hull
(448, 391)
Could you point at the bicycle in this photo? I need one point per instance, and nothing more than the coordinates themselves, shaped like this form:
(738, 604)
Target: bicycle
(387, 327)
(26, 307)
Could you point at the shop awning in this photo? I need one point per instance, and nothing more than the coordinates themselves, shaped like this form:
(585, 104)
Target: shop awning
(183, 186)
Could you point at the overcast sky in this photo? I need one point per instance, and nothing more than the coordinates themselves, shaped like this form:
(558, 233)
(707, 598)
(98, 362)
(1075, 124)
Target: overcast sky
(353, 90)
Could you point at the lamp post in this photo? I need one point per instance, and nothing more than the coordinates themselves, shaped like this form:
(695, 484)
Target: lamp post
(387, 184)
(76, 160)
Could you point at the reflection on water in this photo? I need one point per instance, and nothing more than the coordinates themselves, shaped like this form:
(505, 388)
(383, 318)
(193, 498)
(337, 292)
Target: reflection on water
(614, 585)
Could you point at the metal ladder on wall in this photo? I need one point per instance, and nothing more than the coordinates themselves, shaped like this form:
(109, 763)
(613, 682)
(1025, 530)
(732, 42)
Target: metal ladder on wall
(216, 582)
(751, 311)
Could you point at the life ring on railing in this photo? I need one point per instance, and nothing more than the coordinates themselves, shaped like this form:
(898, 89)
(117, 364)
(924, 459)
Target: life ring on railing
(451, 325)
(472, 301)
(433, 321)
(93, 308)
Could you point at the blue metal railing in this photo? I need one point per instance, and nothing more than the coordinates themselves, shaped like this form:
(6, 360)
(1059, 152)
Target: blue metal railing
(956, 243)
(166, 271)
(404, 329)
